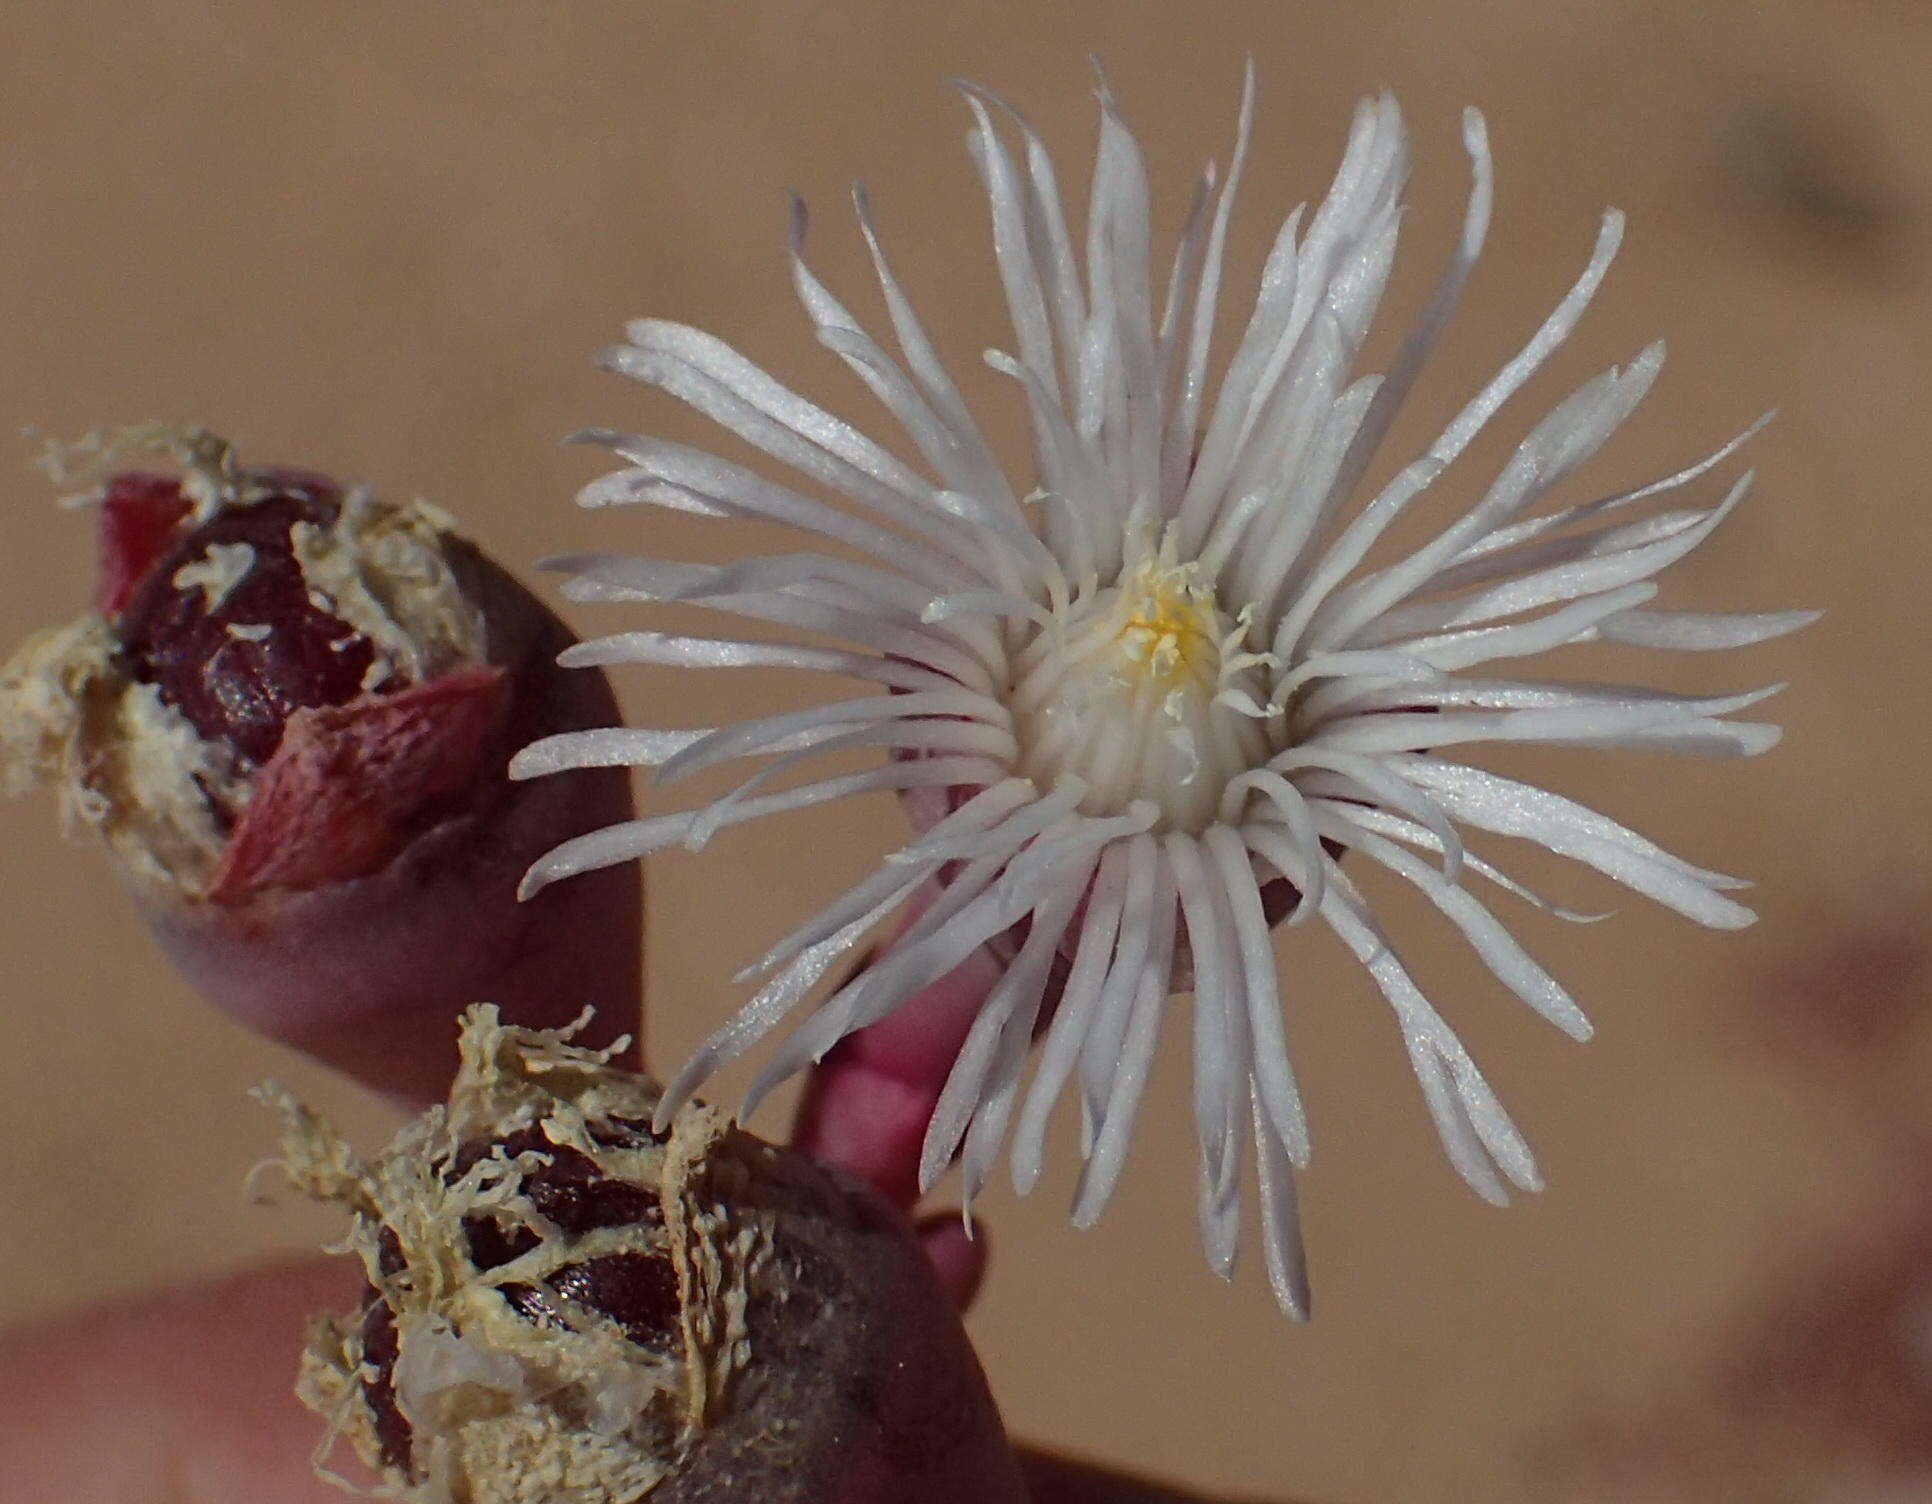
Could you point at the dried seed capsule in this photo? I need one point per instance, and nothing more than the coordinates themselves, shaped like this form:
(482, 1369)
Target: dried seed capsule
(564, 1305)
(289, 718)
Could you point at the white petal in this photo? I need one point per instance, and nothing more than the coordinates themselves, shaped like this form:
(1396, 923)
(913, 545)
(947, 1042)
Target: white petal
(1587, 574)
(1292, 809)
(1217, 979)
(838, 1015)
(682, 651)
(1421, 339)
(1281, 1244)
(985, 809)
(1003, 1024)
(1128, 1078)
(1012, 249)
(1499, 950)
(749, 738)
(724, 489)
(1701, 631)
(768, 1007)
(603, 747)
(1186, 417)
(636, 838)
(1474, 1129)
(1093, 956)
(1273, 1076)
(1506, 807)
(1384, 823)
(1536, 527)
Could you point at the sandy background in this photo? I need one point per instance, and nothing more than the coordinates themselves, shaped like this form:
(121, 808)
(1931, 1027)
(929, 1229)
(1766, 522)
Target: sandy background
(383, 239)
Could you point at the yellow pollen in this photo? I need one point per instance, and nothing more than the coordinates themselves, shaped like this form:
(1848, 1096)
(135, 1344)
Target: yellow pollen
(1170, 627)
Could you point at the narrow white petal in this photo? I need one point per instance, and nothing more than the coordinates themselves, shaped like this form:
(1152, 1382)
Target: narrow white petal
(1506, 807)
(924, 363)
(1216, 979)
(636, 838)
(950, 453)
(1012, 250)
(708, 482)
(1141, 917)
(1701, 631)
(1270, 569)
(1578, 725)
(837, 1015)
(1510, 963)
(1383, 785)
(1046, 226)
(1127, 1080)
(946, 737)
(749, 738)
(1281, 1244)
(1004, 1019)
(1536, 527)
(631, 486)
(1292, 809)
(1428, 327)
(1354, 667)
(1193, 392)
(1474, 1129)
(809, 604)
(1118, 277)
(984, 809)
(820, 448)
(1564, 439)
(767, 1008)
(1548, 337)
(1274, 1076)
(1028, 819)
(659, 347)
(1588, 574)
(680, 651)
(1183, 286)
(995, 603)
(1287, 432)
(603, 747)
(1543, 634)
(1093, 958)
(1384, 823)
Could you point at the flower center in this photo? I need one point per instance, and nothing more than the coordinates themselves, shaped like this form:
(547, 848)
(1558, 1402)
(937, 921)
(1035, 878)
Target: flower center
(1131, 692)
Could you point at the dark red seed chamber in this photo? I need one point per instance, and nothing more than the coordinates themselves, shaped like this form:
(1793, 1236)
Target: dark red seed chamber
(286, 684)
(238, 662)
(635, 1290)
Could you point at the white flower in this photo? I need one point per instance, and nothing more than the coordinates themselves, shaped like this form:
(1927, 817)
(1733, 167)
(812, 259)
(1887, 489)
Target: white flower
(1152, 693)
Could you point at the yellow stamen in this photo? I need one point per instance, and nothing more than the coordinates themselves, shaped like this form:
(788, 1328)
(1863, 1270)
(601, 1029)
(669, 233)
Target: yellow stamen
(1171, 627)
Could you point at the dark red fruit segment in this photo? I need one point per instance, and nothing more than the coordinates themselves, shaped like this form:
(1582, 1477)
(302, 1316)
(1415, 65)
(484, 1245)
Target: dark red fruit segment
(351, 784)
(290, 652)
(139, 514)
(638, 1291)
(394, 1434)
(635, 1288)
